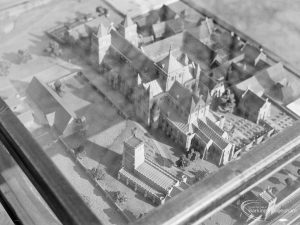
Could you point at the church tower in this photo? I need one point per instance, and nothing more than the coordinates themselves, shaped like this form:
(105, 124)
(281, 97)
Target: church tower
(133, 153)
(128, 30)
(101, 42)
(173, 69)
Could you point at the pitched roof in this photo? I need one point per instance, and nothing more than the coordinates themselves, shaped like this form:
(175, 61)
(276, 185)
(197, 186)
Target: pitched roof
(185, 98)
(251, 102)
(170, 63)
(282, 92)
(244, 130)
(139, 182)
(154, 87)
(127, 21)
(211, 134)
(198, 51)
(49, 101)
(94, 23)
(264, 79)
(200, 134)
(251, 52)
(160, 49)
(172, 115)
(155, 176)
(221, 71)
(176, 25)
(204, 31)
(138, 60)
(214, 126)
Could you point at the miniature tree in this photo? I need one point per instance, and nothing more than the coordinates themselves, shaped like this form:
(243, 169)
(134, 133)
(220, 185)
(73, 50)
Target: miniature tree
(79, 151)
(226, 102)
(183, 161)
(119, 197)
(57, 86)
(87, 200)
(4, 68)
(191, 154)
(274, 190)
(179, 162)
(197, 155)
(53, 49)
(80, 126)
(98, 174)
(24, 56)
(288, 181)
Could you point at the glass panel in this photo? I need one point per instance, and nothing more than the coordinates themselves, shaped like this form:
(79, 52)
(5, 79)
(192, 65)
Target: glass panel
(274, 200)
(19, 193)
(136, 103)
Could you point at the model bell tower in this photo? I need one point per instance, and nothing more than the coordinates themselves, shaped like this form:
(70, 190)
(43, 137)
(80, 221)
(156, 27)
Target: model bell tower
(128, 29)
(101, 41)
(133, 154)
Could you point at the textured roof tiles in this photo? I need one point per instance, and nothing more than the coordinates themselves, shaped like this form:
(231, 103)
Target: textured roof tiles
(211, 134)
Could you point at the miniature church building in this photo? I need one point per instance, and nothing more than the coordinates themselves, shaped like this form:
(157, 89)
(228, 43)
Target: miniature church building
(174, 71)
(128, 29)
(144, 175)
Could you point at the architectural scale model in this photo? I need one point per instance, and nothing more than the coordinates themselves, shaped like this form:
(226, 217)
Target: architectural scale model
(158, 102)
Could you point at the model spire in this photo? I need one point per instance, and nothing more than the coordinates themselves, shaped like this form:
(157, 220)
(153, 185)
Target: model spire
(127, 21)
(102, 31)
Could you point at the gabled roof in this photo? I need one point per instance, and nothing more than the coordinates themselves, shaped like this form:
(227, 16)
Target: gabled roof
(251, 52)
(214, 126)
(243, 130)
(158, 50)
(49, 101)
(264, 79)
(138, 60)
(251, 102)
(198, 51)
(170, 63)
(127, 21)
(172, 114)
(154, 88)
(183, 96)
(94, 24)
(204, 31)
(221, 71)
(212, 135)
(281, 91)
(200, 134)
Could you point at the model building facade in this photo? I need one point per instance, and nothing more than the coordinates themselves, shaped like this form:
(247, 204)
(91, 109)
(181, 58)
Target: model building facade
(178, 82)
(198, 83)
(145, 176)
